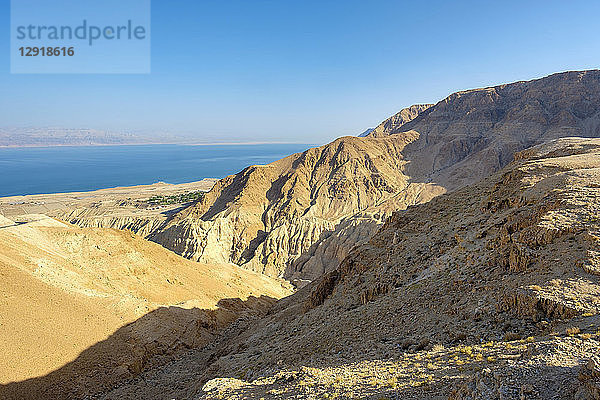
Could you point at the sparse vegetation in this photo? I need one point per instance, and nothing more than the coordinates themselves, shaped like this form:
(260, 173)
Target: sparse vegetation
(176, 198)
(572, 331)
(588, 314)
(511, 336)
(392, 382)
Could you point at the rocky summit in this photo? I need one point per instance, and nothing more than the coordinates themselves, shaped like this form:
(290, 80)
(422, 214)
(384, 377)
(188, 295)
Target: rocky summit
(298, 217)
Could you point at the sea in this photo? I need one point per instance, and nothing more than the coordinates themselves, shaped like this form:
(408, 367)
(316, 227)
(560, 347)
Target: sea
(36, 170)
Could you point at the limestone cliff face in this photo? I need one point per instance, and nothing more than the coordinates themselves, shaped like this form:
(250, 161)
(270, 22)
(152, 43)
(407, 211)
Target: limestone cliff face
(299, 216)
(143, 226)
(266, 217)
(471, 134)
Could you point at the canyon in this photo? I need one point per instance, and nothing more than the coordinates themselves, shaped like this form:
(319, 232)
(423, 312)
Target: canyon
(492, 291)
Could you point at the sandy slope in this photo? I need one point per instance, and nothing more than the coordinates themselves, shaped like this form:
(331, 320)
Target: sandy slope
(66, 288)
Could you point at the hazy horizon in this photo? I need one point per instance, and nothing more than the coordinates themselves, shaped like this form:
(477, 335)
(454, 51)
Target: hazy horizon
(219, 74)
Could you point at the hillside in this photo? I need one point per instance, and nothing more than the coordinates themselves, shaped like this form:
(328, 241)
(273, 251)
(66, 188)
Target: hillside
(140, 209)
(266, 217)
(473, 133)
(492, 291)
(65, 289)
(299, 216)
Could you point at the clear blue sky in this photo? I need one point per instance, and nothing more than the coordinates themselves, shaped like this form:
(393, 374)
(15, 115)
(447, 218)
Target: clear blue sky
(303, 70)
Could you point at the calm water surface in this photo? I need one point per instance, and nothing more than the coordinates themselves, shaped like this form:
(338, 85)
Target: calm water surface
(80, 168)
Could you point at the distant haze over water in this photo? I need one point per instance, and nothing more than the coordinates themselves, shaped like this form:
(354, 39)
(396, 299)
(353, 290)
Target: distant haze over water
(36, 170)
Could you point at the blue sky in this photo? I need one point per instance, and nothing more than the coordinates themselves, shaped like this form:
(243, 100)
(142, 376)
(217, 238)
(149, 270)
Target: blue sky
(305, 71)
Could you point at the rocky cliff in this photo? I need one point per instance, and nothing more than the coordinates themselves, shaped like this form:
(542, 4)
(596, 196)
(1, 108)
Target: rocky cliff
(266, 217)
(473, 133)
(299, 215)
(492, 291)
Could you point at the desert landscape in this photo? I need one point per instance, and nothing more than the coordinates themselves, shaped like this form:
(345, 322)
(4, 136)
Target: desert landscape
(77, 286)
(139, 209)
(452, 252)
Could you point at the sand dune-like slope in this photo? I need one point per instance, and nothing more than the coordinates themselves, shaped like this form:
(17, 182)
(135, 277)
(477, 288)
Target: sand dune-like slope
(66, 288)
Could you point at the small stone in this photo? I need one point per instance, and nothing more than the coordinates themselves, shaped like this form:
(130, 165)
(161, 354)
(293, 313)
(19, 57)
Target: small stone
(593, 366)
(527, 388)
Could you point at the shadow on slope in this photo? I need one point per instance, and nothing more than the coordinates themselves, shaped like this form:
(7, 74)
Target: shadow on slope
(494, 286)
(153, 340)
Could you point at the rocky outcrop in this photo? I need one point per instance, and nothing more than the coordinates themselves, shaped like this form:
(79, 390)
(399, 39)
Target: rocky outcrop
(299, 216)
(268, 217)
(395, 123)
(479, 292)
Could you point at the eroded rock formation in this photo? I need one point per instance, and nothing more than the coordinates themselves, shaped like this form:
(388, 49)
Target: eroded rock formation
(299, 216)
(480, 293)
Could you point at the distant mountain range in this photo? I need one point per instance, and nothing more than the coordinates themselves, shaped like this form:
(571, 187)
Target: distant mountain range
(36, 136)
(57, 136)
(42, 136)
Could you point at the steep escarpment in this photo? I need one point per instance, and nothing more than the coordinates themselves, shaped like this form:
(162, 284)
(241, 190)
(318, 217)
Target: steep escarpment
(265, 217)
(473, 133)
(492, 290)
(298, 217)
(143, 225)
